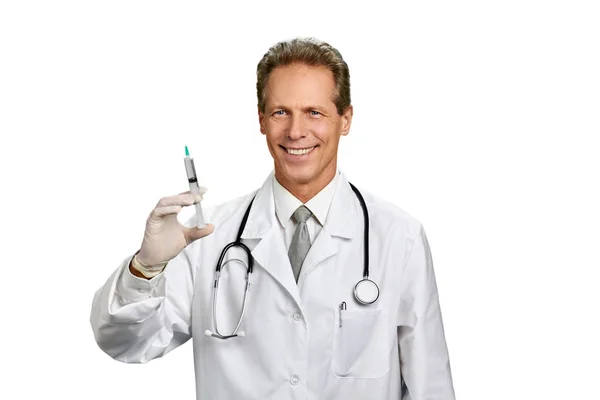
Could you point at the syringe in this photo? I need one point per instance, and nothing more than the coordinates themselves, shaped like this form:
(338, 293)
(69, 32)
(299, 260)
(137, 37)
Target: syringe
(194, 188)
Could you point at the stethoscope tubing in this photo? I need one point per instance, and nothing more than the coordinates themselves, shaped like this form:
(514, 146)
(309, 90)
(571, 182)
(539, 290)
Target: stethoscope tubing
(249, 269)
(366, 234)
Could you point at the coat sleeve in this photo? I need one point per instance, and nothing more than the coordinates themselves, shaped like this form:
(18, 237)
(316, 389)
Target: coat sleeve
(135, 320)
(424, 361)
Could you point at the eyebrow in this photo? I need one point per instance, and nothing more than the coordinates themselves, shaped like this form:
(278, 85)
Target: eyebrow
(306, 108)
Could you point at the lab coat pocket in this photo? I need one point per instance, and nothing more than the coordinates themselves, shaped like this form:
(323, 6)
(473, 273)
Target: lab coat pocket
(360, 345)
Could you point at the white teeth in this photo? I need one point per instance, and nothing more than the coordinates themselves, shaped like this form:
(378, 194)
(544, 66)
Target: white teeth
(300, 152)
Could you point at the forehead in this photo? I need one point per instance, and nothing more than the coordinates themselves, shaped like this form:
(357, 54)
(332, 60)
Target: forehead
(300, 83)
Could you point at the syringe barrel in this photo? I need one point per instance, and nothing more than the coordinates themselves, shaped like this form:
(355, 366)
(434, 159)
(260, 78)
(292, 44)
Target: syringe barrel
(190, 169)
(199, 216)
(194, 188)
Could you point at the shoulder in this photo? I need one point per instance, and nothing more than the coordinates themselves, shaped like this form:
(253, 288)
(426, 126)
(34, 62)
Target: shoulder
(390, 219)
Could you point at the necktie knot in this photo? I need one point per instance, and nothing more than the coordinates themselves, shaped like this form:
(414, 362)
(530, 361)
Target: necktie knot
(302, 214)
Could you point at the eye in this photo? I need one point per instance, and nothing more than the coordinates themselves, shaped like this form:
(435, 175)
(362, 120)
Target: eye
(279, 112)
(314, 113)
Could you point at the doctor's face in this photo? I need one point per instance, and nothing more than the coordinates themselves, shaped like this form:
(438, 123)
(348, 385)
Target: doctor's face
(300, 115)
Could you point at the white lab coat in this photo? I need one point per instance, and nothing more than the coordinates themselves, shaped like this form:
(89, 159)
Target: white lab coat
(294, 347)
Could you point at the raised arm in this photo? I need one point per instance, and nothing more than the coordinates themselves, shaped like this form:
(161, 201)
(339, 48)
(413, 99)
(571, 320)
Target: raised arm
(136, 317)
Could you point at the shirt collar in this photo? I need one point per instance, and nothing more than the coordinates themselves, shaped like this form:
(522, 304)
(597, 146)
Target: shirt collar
(286, 203)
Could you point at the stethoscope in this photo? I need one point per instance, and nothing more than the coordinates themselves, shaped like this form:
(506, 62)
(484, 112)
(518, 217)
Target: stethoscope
(365, 291)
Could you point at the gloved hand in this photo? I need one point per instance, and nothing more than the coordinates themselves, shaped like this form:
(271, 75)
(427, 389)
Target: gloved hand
(165, 236)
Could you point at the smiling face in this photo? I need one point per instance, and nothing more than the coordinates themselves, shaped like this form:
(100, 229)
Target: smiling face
(300, 113)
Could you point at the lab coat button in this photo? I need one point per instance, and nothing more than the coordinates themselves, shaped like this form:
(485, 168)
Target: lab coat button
(294, 380)
(297, 316)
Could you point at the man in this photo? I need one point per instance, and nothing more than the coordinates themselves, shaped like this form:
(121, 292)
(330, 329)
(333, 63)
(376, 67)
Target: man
(304, 335)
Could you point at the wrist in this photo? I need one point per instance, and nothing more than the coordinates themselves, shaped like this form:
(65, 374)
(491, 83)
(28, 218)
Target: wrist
(148, 271)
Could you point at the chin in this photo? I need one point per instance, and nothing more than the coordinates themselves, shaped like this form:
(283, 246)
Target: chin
(298, 174)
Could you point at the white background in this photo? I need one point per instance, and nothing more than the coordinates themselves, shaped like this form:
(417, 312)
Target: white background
(479, 118)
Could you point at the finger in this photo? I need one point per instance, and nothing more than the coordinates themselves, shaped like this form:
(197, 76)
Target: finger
(166, 210)
(185, 199)
(202, 190)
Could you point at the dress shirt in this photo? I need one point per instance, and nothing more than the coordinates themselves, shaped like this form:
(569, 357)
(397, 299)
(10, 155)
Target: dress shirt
(286, 203)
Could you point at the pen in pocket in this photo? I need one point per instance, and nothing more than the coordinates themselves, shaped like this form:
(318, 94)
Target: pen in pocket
(342, 307)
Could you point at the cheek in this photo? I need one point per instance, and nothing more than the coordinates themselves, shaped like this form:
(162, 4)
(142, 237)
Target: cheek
(273, 131)
(322, 129)
(276, 126)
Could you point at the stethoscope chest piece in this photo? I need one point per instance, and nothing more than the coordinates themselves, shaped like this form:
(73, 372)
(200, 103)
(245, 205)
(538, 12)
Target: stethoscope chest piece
(366, 291)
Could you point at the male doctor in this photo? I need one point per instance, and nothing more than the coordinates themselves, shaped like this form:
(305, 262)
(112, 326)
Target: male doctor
(305, 231)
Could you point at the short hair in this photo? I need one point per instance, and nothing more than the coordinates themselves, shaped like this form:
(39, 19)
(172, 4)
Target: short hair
(309, 51)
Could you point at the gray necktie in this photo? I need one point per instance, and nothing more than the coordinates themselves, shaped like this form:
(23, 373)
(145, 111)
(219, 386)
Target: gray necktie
(300, 241)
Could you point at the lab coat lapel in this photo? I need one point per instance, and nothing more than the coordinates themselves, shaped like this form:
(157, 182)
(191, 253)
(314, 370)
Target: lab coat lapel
(270, 252)
(340, 223)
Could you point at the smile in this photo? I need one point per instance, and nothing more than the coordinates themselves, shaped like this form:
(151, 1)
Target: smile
(299, 152)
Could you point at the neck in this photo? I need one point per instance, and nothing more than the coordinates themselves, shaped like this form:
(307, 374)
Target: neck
(304, 191)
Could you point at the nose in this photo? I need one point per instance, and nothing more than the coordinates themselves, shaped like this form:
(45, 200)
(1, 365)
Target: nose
(296, 129)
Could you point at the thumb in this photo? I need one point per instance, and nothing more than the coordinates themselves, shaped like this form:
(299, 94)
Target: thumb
(192, 234)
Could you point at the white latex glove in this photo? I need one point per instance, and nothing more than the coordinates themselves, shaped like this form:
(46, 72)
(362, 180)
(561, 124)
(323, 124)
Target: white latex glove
(165, 236)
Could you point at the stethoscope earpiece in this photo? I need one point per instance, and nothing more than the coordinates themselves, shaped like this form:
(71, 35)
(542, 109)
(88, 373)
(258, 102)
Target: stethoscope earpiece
(210, 333)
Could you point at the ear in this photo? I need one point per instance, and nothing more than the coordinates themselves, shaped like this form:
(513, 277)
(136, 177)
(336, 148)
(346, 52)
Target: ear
(347, 120)
(261, 121)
